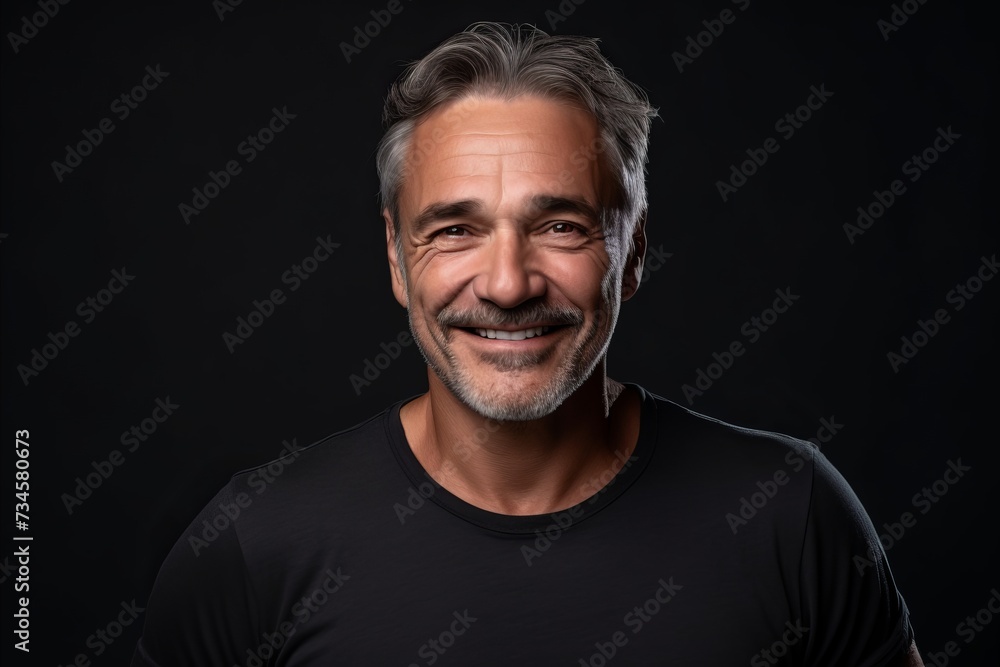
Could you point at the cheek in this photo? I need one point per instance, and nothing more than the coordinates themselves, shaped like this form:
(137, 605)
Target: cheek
(435, 284)
(582, 275)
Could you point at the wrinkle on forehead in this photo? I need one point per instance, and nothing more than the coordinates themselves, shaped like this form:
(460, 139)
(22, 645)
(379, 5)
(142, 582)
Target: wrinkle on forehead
(525, 144)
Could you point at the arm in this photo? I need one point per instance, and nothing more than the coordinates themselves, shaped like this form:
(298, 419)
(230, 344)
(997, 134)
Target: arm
(850, 597)
(911, 658)
(202, 610)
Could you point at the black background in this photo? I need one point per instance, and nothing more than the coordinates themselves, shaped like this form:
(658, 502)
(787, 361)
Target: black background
(162, 335)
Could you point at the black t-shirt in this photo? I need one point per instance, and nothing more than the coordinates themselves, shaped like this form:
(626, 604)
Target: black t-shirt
(710, 545)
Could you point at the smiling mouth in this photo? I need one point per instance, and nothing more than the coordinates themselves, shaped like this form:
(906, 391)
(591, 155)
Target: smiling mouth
(522, 334)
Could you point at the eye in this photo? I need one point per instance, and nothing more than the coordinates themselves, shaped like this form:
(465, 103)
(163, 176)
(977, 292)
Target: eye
(565, 228)
(453, 231)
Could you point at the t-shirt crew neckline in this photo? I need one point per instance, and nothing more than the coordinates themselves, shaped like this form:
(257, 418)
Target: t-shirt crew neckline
(527, 524)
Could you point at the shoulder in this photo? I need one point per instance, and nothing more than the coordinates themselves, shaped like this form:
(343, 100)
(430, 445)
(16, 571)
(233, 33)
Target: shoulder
(301, 468)
(324, 482)
(694, 439)
(763, 485)
(233, 564)
(292, 497)
(785, 503)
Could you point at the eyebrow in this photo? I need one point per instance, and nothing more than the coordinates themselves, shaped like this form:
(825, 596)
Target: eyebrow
(552, 204)
(439, 211)
(467, 208)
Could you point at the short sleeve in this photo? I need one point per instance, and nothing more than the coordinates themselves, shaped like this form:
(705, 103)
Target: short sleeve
(854, 612)
(202, 611)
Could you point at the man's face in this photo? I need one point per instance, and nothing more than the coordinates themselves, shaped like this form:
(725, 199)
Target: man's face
(511, 293)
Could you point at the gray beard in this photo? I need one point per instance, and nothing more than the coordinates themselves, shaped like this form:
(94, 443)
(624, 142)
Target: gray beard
(578, 366)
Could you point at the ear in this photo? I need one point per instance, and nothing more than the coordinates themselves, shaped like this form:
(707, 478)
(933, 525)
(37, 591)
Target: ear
(634, 262)
(395, 271)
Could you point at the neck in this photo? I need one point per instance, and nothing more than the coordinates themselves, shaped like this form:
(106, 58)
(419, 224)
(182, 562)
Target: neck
(520, 468)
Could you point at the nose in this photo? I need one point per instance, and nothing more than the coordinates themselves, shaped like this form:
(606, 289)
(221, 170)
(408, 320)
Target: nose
(508, 276)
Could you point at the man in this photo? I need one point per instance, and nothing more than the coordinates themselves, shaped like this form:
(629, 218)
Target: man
(527, 509)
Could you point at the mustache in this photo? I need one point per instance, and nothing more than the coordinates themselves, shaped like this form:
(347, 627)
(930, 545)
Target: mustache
(487, 316)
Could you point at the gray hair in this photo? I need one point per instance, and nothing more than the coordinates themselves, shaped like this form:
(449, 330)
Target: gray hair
(507, 61)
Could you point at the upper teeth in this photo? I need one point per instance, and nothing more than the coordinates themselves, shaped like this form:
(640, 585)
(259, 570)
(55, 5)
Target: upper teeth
(512, 335)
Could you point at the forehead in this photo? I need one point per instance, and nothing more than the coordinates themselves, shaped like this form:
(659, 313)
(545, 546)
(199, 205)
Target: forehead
(526, 143)
(498, 115)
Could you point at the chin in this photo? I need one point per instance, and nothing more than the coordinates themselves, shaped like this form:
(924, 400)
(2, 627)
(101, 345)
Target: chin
(514, 397)
(519, 408)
